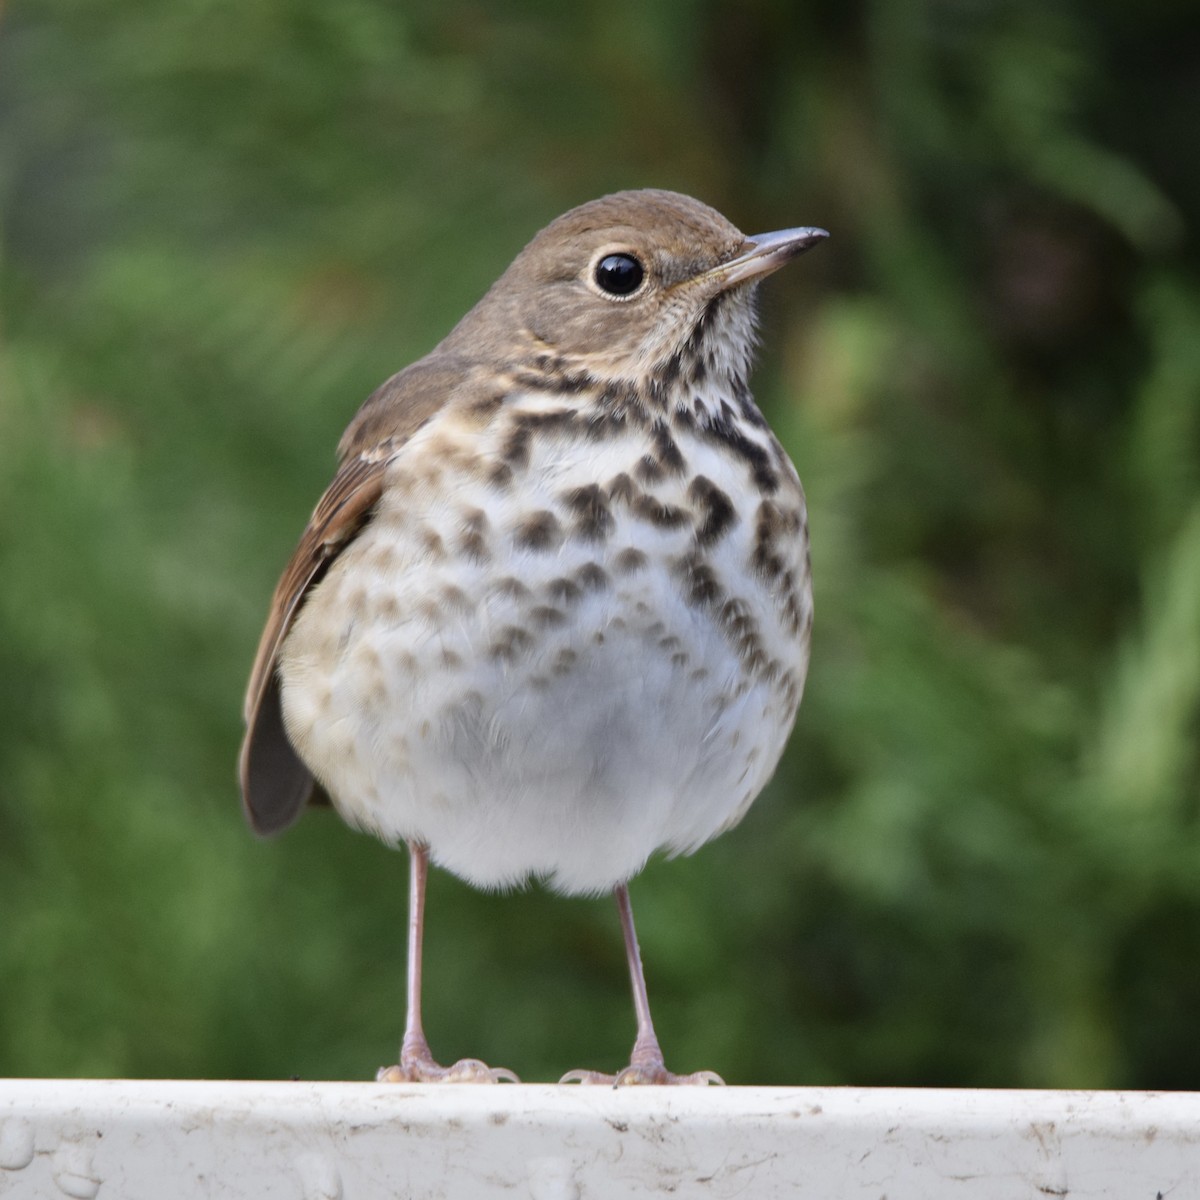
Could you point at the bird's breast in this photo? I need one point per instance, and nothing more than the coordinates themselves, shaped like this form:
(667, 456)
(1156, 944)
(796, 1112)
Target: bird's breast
(567, 638)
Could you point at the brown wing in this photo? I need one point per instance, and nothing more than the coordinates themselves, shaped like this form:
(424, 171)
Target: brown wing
(276, 785)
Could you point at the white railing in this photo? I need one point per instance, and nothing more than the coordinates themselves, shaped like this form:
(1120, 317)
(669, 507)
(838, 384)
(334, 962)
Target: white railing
(140, 1140)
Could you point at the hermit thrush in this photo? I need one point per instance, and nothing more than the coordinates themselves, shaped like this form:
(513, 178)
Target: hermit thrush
(553, 612)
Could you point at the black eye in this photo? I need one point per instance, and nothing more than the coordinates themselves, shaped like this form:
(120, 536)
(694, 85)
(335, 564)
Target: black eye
(619, 274)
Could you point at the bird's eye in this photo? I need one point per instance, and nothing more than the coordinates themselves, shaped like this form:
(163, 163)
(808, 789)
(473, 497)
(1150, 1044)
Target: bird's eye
(619, 274)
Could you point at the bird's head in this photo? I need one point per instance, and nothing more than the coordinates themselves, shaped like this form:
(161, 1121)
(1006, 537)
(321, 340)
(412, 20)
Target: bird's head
(623, 285)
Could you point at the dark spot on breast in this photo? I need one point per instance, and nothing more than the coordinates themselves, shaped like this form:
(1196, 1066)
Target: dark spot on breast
(741, 629)
(510, 643)
(456, 600)
(756, 661)
(539, 531)
(746, 406)
(657, 394)
(685, 417)
(602, 424)
(735, 616)
(666, 450)
(431, 540)
(700, 584)
(475, 548)
(593, 521)
(473, 542)
(797, 612)
(791, 613)
(658, 512)
(500, 475)
(717, 511)
(755, 455)
(621, 487)
(650, 469)
(512, 587)
(515, 451)
(545, 617)
(565, 591)
(671, 369)
(629, 560)
(592, 577)
(526, 426)
(768, 526)
(622, 402)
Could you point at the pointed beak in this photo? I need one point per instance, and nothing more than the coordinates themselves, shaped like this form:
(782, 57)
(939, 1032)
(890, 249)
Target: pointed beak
(764, 253)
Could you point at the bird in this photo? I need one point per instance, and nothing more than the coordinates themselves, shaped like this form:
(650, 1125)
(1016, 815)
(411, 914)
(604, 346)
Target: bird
(553, 613)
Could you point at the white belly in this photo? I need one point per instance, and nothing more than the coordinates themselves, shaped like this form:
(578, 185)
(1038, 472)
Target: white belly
(561, 710)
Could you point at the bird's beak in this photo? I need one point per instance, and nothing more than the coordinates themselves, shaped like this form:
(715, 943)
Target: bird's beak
(764, 253)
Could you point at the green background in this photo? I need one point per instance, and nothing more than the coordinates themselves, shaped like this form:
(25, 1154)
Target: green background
(223, 223)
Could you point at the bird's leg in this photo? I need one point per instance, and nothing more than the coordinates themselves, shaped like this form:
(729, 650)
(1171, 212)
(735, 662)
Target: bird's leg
(414, 1048)
(417, 1064)
(646, 1062)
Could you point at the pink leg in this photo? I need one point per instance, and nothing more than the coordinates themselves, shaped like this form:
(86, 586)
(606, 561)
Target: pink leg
(417, 1064)
(646, 1062)
(415, 1047)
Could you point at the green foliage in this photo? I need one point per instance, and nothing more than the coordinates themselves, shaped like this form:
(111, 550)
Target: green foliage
(223, 225)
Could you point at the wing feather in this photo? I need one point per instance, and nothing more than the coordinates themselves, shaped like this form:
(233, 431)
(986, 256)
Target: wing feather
(276, 785)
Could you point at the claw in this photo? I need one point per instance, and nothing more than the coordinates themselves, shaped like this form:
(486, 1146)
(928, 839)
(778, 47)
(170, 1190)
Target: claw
(588, 1077)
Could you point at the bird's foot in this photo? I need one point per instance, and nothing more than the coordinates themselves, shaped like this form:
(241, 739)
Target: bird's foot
(646, 1068)
(417, 1065)
(466, 1070)
(643, 1074)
